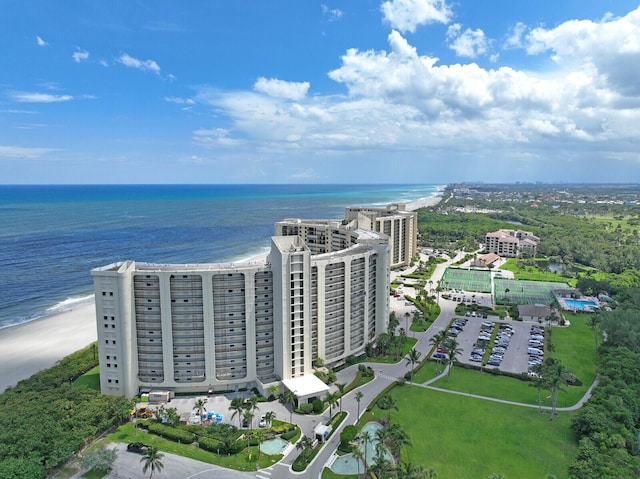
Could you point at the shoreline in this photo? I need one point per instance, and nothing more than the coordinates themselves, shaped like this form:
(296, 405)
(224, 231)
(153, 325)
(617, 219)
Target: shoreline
(29, 347)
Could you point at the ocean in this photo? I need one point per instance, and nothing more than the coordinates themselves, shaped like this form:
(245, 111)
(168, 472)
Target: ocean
(52, 236)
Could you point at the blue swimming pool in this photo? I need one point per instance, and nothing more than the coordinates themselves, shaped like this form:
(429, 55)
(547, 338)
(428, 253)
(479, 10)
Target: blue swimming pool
(348, 464)
(580, 304)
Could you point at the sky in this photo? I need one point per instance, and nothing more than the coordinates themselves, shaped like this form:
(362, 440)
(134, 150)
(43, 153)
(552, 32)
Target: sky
(291, 91)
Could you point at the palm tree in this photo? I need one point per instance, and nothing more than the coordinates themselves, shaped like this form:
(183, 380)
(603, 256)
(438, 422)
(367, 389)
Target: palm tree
(387, 403)
(539, 382)
(406, 470)
(413, 358)
(269, 417)
(594, 323)
(252, 404)
(397, 439)
(248, 418)
(556, 376)
(366, 439)
(305, 444)
(453, 349)
(331, 399)
(341, 387)
(359, 395)
(273, 390)
(260, 435)
(152, 459)
(237, 407)
(359, 456)
(199, 408)
(438, 340)
(380, 462)
(290, 399)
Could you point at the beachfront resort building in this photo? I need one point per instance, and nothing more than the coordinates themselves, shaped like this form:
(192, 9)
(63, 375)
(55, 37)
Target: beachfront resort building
(321, 292)
(511, 243)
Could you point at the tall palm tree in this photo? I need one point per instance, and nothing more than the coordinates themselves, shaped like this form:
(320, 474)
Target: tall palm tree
(539, 382)
(305, 444)
(237, 407)
(380, 462)
(152, 459)
(413, 358)
(556, 375)
(248, 417)
(341, 387)
(359, 456)
(594, 323)
(331, 399)
(251, 404)
(406, 470)
(269, 417)
(438, 340)
(260, 435)
(359, 395)
(366, 439)
(396, 440)
(199, 408)
(290, 399)
(453, 349)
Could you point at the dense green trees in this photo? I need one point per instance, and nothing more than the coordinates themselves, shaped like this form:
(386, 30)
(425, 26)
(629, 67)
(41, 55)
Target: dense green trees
(607, 426)
(45, 420)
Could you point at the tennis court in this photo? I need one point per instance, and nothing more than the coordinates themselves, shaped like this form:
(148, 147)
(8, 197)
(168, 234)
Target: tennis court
(526, 292)
(466, 280)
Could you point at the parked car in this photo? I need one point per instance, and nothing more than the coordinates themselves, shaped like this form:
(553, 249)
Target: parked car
(138, 447)
(262, 422)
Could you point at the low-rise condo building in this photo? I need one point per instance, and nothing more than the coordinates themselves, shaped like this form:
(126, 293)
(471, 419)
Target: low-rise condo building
(511, 243)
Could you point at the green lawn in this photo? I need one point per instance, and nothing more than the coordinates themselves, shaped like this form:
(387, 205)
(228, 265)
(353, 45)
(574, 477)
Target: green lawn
(575, 347)
(467, 438)
(534, 274)
(90, 379)
(239, 462)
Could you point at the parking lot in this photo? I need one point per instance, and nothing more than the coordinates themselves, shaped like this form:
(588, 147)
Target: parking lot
(514, 350)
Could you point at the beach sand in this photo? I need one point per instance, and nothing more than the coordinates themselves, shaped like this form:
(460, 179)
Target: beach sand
(28, 348)
(424, 202)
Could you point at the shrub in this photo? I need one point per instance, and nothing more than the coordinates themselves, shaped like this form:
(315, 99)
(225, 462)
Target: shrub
(211, 445)
(347, 435)
(318, 406)
(305, 408)
(287, 436)
(171, 433)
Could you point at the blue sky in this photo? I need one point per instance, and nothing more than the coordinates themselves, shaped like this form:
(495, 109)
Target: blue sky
(290, 91)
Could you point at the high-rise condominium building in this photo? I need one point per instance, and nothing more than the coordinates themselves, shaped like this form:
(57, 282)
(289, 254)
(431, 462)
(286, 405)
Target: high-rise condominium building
(322, 292)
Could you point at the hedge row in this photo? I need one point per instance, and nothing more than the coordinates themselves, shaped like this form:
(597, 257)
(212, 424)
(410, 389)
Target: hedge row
(171, 433)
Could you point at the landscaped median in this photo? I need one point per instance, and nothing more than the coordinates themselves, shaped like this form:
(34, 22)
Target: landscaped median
(308, 450)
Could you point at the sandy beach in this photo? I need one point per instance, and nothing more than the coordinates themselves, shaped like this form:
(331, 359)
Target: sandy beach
(28, 348)
(424, 202)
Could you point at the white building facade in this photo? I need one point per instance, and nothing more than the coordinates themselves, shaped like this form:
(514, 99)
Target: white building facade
(221, 327)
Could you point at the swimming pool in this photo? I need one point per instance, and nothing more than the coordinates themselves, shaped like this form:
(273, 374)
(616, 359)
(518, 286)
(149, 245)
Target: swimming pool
(581, 304)
(274, 446)
(348, 464)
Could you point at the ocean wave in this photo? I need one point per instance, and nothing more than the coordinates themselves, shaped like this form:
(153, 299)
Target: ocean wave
(70, 303)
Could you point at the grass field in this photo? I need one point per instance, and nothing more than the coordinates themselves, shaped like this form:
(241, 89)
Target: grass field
(533, 273)
(466, 438)
(91, 379)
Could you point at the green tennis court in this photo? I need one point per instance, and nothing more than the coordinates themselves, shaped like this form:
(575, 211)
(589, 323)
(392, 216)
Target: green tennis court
(526, 292)
(467, 280)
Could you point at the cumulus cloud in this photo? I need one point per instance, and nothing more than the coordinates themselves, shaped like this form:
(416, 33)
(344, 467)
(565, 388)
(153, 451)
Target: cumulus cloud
(610, 46)
(144, 65)
(22, 152)
(468, 43)
(331, 14)
(400, 105)
(515, 36)
(35, 97)
(282, 89)
(406, 15)
(80, 55)
(40, 41)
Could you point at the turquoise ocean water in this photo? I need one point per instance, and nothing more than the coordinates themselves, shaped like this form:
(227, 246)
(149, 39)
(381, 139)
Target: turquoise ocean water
(51, 236)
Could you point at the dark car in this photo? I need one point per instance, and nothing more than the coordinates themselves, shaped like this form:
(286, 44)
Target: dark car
(138, 447)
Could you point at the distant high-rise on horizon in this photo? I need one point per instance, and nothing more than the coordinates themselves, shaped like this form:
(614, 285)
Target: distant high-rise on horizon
(322, 292)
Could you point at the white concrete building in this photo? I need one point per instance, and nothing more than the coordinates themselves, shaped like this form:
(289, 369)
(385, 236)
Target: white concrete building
(220, 327)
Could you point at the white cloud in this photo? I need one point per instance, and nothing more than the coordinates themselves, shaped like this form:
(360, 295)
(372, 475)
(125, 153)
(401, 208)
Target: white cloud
(22, 152)
(282, 89)
(406, 15)
(41, 42)
(470, 43)
(103, 63)
(610, 46)
(515, 35)
(331, 14)
(80, 55)
(35, 97)
(144, 65)
(179, 101)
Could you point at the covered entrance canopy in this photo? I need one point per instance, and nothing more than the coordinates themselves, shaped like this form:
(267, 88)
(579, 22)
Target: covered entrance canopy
(306, 387)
